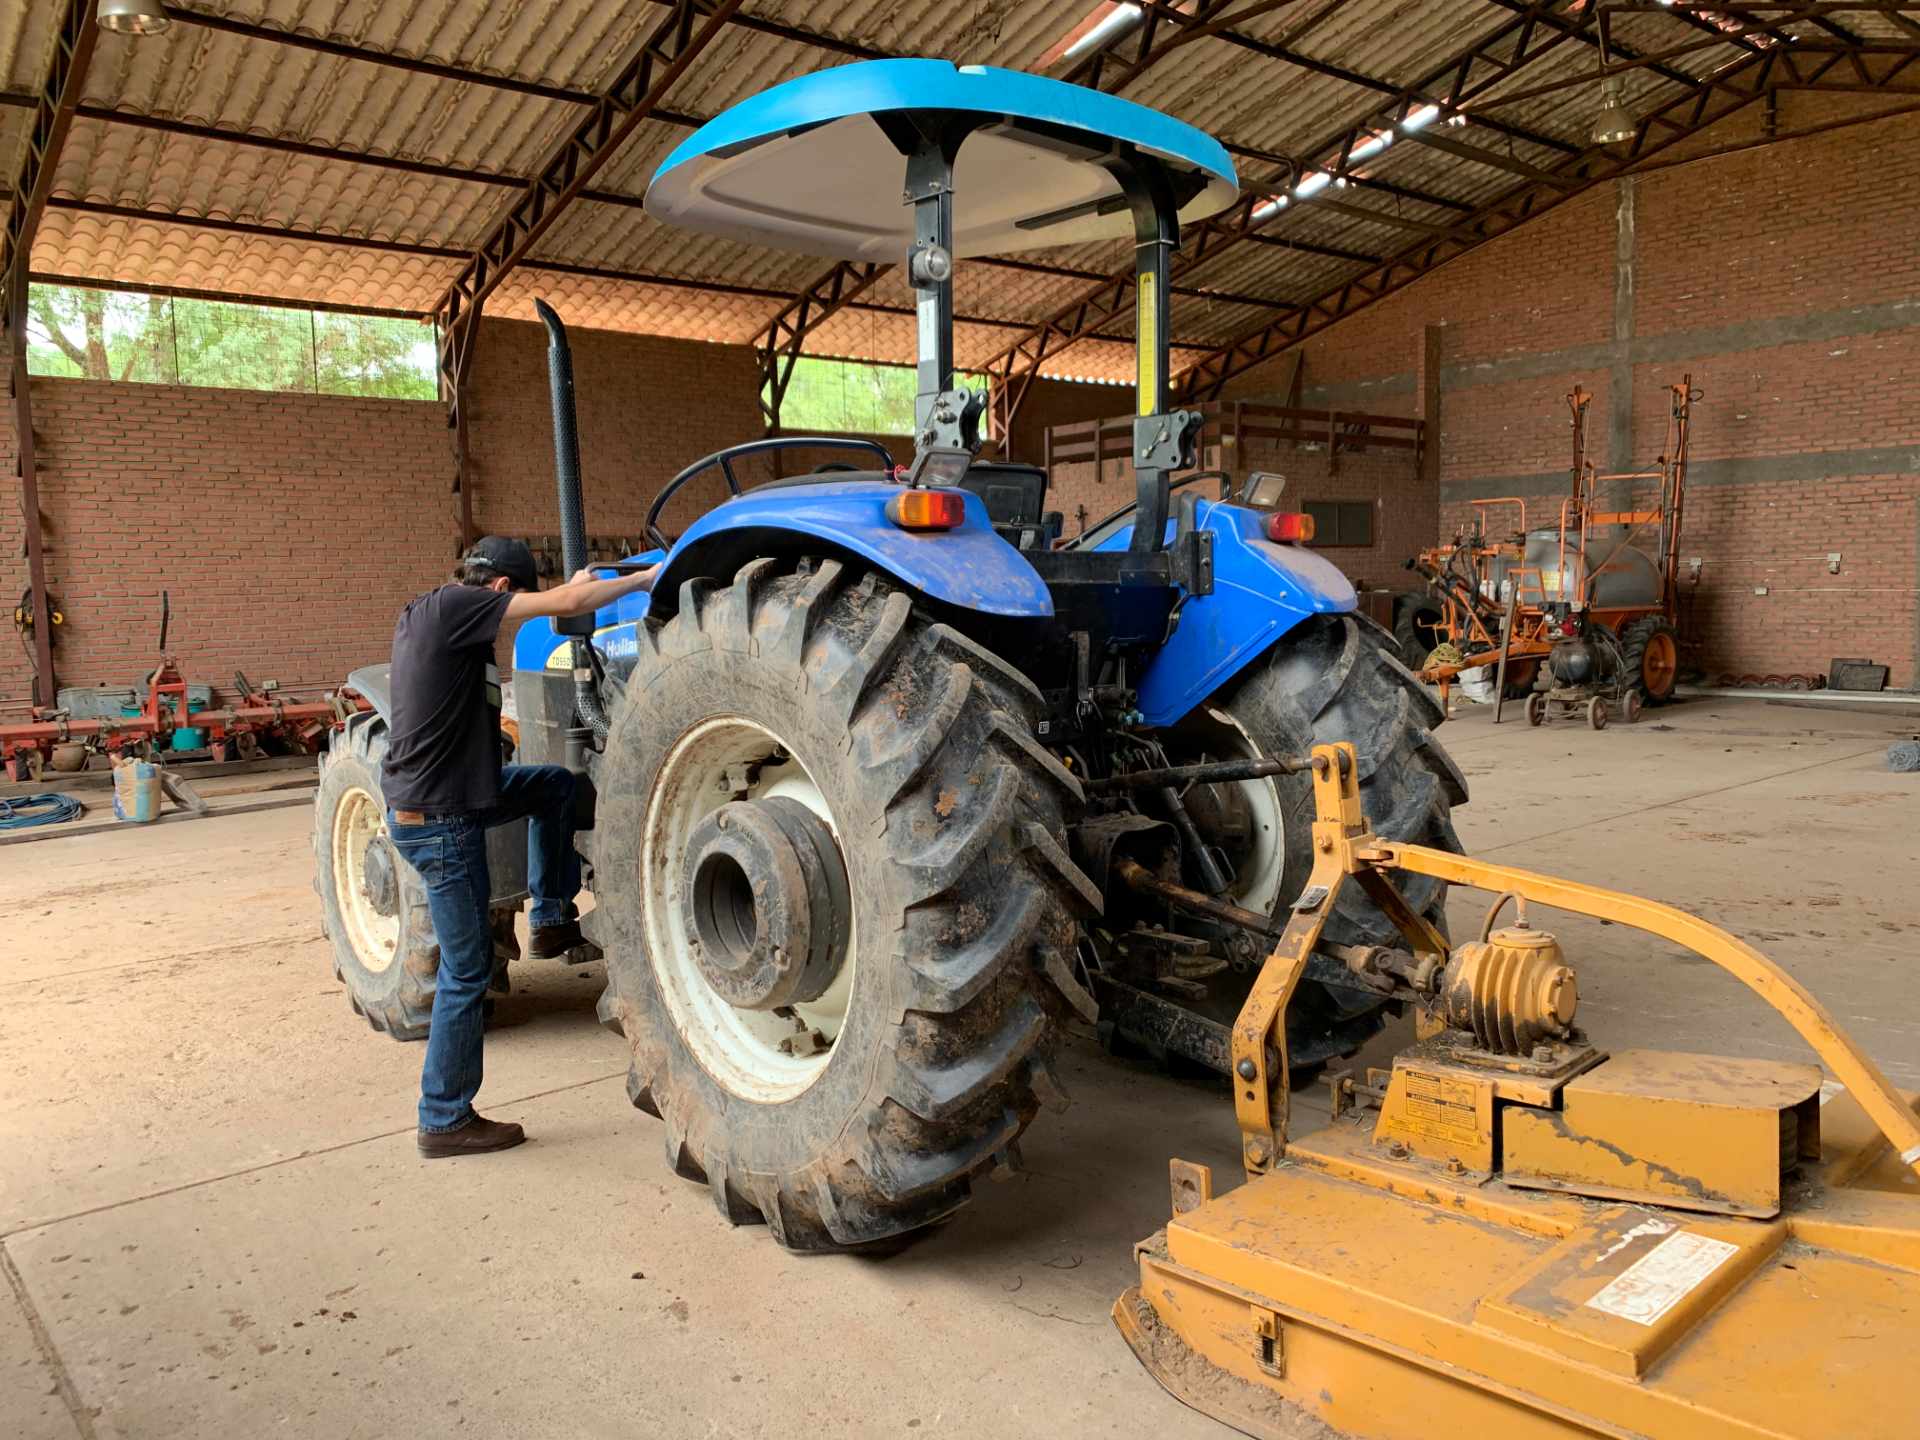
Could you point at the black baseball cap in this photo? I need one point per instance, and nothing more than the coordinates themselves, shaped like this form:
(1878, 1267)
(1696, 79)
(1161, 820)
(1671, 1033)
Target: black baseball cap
(508, 557)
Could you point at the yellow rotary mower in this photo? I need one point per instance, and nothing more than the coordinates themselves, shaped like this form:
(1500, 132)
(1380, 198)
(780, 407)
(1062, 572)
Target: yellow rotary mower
(1514, 1233)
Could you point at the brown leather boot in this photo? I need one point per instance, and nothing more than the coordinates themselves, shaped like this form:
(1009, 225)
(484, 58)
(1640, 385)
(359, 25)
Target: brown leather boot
(554, 942)
(477, 1137)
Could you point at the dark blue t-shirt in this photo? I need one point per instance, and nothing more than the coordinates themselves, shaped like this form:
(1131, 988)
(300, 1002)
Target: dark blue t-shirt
(443, 747)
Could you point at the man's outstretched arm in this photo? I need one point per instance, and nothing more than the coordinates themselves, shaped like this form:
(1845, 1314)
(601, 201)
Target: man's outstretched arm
(582, 595)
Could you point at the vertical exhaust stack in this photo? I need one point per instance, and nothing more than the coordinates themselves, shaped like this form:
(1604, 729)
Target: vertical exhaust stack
(573, 516)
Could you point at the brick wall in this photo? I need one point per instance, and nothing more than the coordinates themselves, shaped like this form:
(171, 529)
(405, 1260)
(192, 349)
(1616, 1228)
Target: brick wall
(289, 529)
(1786, 280)
(646, 408)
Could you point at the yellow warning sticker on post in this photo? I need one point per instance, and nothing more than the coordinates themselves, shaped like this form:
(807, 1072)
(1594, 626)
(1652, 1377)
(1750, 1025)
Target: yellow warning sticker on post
(1663, 1277)
(1440, 1108)
(1146, 345)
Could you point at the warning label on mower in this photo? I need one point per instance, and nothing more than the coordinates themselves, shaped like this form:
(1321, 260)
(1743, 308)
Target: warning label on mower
(1663, 1277)
(1440, 1109)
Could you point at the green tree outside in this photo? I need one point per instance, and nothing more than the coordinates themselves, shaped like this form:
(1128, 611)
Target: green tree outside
(92, 334)
(848, 396)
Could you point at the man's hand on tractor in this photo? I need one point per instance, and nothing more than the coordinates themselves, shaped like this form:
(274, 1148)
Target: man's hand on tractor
(582, 595)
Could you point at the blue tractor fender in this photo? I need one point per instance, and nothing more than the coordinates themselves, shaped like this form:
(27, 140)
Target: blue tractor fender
(1261, 590)
(969, 567)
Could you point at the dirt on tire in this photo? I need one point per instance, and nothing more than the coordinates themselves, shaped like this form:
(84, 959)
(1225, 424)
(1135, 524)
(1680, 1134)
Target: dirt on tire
(947, 813)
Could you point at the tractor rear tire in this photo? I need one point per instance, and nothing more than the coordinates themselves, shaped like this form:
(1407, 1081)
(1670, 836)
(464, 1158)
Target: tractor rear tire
(916, 1071)
(1332, 678)
(1650, 656)
(373, 906)
(1413, 627)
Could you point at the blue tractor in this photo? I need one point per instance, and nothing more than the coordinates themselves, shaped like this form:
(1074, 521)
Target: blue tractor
(885, 786)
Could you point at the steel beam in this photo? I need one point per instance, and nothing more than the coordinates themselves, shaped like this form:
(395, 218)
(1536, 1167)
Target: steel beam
(785, 337)
(1587, 32)
(1706, 103)
(688, 28)
(1477, 155)
(1186, 23)
(53, 109)
(1490, 60)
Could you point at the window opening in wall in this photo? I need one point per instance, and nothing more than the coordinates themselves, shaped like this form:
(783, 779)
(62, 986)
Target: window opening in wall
(80, 332)
(1341, 522)
(854, 397)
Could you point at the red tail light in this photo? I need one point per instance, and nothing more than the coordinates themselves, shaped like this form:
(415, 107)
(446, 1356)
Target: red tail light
(1289, 527)
(927, 509)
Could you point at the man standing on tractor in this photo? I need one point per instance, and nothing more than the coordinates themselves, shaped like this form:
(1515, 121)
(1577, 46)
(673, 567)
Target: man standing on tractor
(445, 787)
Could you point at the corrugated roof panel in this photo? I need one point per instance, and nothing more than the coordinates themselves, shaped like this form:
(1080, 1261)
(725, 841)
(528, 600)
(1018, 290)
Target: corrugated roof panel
(121, 165)
(231, 82)
(559, 42)
(14, 124)
(215, 78)
(621, 305)
(26, 45)
(139, 252)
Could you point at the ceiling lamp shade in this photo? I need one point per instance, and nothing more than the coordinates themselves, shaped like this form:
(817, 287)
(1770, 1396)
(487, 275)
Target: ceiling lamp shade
(1614, 125)
(132, 17)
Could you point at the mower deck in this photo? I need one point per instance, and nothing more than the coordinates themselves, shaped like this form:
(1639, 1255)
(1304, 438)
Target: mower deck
(1392, 1296)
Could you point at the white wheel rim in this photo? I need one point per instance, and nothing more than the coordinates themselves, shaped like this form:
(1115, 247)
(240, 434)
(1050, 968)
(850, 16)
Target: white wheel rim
(373, 937)
(739, 1048)
(1257, 884)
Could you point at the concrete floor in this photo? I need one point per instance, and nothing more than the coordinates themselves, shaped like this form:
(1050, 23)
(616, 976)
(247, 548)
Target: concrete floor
(212, 1220)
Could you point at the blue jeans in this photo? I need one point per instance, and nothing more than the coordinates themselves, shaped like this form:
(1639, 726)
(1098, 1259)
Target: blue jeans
(450, 854)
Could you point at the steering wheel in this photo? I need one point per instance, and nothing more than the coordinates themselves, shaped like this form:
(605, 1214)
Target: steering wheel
(1226, 493)
(724, 460)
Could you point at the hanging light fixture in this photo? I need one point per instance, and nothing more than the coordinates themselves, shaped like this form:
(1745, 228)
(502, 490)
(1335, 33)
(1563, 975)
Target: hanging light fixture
(133, 17)
(1614, 125)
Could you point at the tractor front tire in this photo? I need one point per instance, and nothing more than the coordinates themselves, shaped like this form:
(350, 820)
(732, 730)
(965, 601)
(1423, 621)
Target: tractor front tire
(865, 1113)
(373, 906)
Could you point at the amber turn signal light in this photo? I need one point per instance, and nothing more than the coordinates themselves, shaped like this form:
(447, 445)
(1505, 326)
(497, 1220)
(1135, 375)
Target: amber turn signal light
(927, 509)
(1290, 527)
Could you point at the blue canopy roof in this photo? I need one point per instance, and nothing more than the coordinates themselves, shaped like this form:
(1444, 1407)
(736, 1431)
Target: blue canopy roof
(804, 167)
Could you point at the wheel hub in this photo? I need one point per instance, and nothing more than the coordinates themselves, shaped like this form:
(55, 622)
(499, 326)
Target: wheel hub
(381, 883)
(766, 903)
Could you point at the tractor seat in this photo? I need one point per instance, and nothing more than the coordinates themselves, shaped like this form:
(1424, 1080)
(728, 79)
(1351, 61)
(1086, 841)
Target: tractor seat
(1014, 496)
